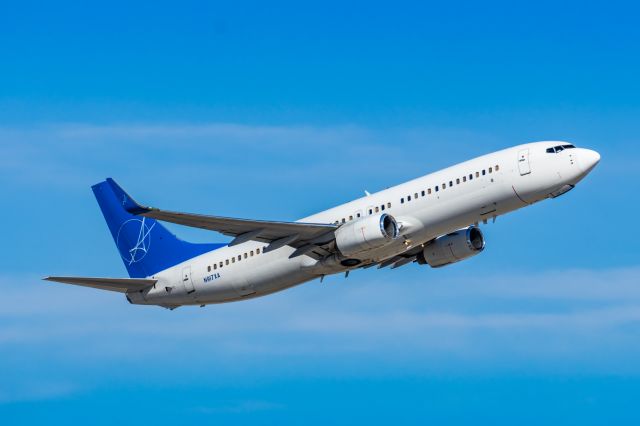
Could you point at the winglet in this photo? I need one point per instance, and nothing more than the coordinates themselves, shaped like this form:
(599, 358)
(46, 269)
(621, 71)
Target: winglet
(128, 203)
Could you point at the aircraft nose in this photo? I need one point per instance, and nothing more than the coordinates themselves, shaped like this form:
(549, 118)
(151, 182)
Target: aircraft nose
(589, 159)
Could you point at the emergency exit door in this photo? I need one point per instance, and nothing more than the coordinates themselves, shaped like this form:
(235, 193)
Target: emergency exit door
(186, 280)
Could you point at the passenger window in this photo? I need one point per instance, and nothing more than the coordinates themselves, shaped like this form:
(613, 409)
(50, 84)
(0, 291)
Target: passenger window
(344, 220)
(246, 255)
(471, 177)
(227, 261)
(350, 217)
(458, 181)
(484, 172)
(215, 267)
(429, 191)
(437, 189)
(239, 257)
(209, 268)
(422, 193)
(490, 169)
(477, 174)
(464, 178)
(257, 251)
(221, 264)
(415, 195)
(358, 215)
(382, 207)
(450, 183)
(444, 185)
(251, 253)
(408, 197)
(377, 209)
(233, 260)
(370, 211)
(497, 167)
(388, 205)
(401, 200)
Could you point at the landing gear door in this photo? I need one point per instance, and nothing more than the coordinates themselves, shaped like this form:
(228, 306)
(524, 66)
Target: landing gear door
(186, 280)
(523, 162)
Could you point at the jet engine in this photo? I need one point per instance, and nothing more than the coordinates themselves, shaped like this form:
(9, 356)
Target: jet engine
(367, 233)
(452, 248)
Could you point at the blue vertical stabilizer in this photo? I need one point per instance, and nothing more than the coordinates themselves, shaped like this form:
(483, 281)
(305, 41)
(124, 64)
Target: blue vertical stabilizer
(146, 247)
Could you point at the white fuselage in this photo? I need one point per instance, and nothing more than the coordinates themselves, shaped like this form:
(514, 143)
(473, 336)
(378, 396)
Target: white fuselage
(425, 208)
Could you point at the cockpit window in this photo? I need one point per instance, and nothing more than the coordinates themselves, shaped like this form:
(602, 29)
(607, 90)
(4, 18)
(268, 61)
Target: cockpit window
(559, 148)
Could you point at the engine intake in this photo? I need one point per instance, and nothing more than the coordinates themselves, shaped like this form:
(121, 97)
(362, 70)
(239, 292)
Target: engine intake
(367, 233)
(452, 248)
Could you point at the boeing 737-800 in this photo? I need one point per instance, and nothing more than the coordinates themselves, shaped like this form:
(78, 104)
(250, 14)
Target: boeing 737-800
(432, 220)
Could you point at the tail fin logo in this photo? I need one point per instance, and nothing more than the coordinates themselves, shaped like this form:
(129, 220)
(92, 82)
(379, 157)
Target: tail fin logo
(134, 230)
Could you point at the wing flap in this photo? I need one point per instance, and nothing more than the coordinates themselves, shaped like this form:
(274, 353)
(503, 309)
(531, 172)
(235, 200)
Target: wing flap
(121, 285)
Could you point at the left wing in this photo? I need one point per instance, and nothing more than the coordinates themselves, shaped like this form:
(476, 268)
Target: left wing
(279, 234)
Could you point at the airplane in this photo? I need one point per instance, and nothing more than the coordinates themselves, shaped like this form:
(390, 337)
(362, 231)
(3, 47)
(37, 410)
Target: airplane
(432, 220)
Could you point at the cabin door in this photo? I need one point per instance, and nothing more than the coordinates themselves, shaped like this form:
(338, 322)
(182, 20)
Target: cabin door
(523, 162)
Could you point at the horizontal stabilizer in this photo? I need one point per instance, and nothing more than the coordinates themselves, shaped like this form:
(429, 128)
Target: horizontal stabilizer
(122, 285)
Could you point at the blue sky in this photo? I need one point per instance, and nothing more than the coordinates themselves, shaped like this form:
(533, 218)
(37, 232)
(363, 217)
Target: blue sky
(277, 111)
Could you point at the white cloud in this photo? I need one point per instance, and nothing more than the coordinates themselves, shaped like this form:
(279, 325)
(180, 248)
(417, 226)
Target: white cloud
(594, 311)
(63, 154)
(55, 339)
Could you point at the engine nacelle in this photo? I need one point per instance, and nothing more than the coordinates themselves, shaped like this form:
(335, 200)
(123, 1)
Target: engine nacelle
(452, 248)
(367, 233)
